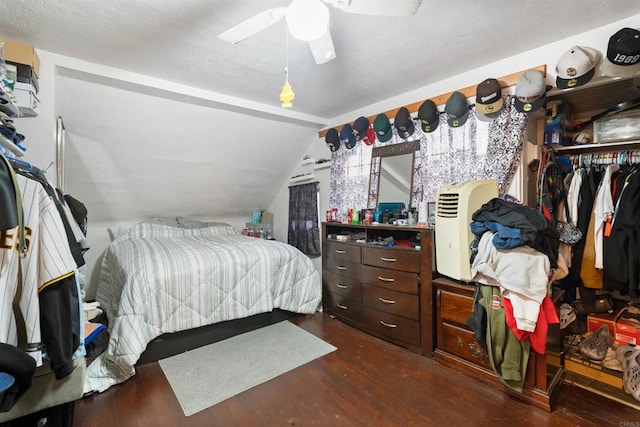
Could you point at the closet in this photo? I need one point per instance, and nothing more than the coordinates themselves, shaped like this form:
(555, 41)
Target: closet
(594, 99)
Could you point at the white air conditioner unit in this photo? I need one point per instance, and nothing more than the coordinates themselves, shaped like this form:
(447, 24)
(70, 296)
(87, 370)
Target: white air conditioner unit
(454, 207)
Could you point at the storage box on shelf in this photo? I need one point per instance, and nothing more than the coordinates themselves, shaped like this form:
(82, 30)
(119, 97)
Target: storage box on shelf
(602, 94)
(22, 53)
(458, 348)
(385, 291)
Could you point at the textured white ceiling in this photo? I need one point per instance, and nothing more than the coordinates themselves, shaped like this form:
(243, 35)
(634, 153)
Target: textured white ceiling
(377, 57)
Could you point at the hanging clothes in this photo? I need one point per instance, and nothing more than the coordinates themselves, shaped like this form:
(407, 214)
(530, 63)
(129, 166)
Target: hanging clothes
(590, 181)
(43, 295)
(508, 355)
(621, 263)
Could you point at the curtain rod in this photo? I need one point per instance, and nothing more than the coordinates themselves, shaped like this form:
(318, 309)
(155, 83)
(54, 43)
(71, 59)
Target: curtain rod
(469, 91)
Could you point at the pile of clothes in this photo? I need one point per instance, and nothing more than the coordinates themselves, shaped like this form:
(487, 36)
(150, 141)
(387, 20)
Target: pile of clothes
(515, 258)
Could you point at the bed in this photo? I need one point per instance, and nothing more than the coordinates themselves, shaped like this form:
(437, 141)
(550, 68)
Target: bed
(157, 279)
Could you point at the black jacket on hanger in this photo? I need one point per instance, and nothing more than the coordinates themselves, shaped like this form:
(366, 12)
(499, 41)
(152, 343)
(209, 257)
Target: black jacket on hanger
(622, 248)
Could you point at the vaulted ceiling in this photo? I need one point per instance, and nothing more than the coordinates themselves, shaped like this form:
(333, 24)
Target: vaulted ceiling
(377, 57)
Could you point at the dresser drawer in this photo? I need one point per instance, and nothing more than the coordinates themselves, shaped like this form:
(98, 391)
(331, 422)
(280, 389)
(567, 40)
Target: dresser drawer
(462, 343)
(343, 251)
(342, 285)
(389, 325)
(393, 302)
(344, 268)
(343, 307)
(455, 308)
(401, 281)
(397, 259)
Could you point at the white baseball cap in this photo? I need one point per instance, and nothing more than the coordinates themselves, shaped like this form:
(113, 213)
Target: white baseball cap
(576, 66)
(530, 91)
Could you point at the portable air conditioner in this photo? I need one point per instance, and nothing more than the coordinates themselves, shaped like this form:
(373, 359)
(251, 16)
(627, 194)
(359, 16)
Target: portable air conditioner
(454, 207)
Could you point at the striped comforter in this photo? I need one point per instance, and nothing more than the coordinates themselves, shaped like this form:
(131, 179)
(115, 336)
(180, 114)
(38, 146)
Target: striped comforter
(157, 279)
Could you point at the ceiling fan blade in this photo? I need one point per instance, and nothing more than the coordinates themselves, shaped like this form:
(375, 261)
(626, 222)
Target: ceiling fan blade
(252, 25)
(322, 48)
(377, 7)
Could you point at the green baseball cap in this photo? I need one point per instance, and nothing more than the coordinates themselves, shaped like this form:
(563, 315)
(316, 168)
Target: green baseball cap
(382, 127)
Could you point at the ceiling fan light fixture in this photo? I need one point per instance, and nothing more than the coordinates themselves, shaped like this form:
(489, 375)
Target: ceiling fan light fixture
(307, 20)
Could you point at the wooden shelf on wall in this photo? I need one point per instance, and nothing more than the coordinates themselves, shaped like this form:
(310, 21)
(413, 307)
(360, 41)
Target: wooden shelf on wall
(469, 91)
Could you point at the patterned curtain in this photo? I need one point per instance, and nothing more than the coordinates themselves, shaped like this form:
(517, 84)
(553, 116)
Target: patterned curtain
(478, 150)
(349, 177)
(304, 232)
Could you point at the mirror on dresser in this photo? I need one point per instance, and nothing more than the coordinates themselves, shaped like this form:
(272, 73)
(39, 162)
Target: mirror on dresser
(392, 173)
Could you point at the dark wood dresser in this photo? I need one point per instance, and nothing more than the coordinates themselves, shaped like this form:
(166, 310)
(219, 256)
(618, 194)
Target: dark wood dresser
(457, 347)
(385, 291)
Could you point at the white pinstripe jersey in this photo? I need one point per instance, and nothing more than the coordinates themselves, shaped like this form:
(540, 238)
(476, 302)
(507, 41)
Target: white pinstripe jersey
(47, 261)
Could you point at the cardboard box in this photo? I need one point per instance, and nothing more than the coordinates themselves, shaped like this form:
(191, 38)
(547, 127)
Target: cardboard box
(594, 321)
(622, 331)
(21, 53)
(626, 332)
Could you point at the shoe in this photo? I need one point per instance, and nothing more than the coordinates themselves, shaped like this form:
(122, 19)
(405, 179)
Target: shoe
(567, 315)
(571, 344)
(631, 314)
(611, 360)
(595, 346)
(628, 357)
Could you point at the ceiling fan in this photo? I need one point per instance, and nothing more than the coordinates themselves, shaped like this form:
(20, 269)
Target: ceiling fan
(308, 20)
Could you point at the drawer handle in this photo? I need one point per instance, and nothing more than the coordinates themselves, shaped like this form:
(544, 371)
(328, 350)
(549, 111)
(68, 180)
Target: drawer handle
(339, 267)
(388, 259)
(386, 279)
(340, 251)
(341, 286)
(344, 307)
(386, 301)
(388, 325)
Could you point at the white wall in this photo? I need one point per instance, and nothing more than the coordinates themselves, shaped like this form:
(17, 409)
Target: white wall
(548, 55)
(40, 131)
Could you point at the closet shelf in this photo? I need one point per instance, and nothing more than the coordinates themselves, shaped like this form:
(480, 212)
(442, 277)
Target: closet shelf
(9, 145)
(595, 148)
(322, 166)
(302, 178)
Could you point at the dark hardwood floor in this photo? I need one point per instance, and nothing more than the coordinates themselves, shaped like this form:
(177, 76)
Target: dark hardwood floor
(365, 382)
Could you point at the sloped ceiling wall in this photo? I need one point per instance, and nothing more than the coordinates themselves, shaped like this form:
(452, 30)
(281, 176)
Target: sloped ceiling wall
(131, 155)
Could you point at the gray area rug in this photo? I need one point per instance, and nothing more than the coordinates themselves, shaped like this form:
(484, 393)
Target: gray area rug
(208, 375)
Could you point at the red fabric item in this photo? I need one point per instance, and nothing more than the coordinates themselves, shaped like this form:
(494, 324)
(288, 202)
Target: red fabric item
(538, 337)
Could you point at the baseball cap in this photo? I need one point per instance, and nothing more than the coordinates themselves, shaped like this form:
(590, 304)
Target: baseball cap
(530, 91)
(429, 116)
(382, 127)
(623, 54)
(576, 66)
(457, 109)
(332, 139)
(370, 137)
(360, 127)
(347, 137)
(489, 97)
(403, 123)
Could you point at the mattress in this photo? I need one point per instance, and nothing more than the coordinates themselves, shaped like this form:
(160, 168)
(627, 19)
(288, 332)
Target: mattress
(158, 279)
